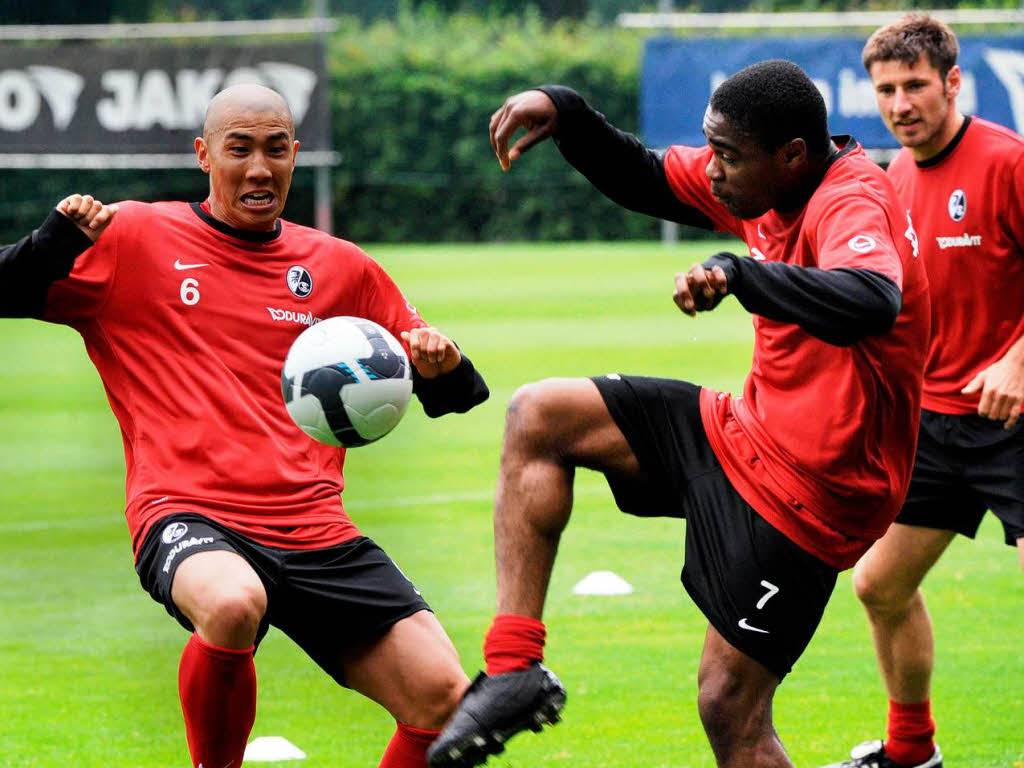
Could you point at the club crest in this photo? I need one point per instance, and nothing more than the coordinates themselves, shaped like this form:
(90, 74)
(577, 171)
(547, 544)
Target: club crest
(300, 282)
(957, 205)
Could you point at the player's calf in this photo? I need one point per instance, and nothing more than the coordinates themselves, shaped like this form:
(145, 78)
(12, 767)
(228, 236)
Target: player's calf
(738, 723)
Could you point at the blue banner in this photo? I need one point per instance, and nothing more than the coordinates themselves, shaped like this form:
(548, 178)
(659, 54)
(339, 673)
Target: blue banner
(679, 76)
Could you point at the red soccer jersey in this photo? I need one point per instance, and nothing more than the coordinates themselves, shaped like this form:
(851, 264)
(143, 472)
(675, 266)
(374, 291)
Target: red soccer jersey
(188, 325)
(968, 209)
(822, 441)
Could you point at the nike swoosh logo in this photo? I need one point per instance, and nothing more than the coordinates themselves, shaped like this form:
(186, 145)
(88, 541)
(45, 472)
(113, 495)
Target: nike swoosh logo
(743, 625)
(179, 265)
(760, 233)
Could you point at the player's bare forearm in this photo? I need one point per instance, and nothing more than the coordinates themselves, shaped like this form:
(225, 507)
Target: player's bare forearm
(1001, 386)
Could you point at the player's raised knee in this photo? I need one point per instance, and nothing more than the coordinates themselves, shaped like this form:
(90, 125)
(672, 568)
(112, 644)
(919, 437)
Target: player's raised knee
(543, 411)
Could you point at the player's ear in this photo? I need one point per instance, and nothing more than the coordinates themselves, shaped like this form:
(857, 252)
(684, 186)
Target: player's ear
(295, 150)
(794, 153)
(954, 80)
(202, 154)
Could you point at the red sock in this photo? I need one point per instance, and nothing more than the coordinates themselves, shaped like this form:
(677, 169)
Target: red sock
(513, 642)
(408, 748)
(911, 728)
(218, 698)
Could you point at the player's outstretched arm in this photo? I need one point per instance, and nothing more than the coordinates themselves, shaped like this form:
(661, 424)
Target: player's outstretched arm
(89, 214)
(839, 306)
(30, 266)
(1002, 387)
(444, 379)
(615, 162)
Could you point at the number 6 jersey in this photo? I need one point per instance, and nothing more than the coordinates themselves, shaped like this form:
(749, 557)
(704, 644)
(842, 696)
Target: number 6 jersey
(188, 322)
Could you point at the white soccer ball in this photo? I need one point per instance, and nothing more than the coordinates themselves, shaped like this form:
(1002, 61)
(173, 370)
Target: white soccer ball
(346, 381)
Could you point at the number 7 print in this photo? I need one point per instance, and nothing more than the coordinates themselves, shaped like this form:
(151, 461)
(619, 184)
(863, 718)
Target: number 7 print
(772, 591)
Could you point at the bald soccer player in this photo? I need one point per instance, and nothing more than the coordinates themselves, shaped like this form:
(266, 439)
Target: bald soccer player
(235, 515)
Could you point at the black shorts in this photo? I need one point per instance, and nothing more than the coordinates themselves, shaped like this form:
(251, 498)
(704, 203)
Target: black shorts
(964, 466)
(326, 600)
(762, 593)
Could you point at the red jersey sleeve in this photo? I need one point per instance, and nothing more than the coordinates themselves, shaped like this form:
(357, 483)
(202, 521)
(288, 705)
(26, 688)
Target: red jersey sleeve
(382, 301)
(853, 231)
(685, 171)
(1013, 205)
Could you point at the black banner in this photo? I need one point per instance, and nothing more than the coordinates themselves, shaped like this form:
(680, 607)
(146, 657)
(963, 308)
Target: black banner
(100, 99)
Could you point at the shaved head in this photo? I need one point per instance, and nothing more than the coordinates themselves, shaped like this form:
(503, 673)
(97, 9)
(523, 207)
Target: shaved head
(248, 149)
(245, 98)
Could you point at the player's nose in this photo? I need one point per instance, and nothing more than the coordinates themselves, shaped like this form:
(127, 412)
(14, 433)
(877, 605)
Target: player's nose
(900, 103)
(258, 168)
(713, 170)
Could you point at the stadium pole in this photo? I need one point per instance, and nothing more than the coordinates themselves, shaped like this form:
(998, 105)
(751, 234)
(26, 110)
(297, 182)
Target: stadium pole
(670, 229)
(322, 180)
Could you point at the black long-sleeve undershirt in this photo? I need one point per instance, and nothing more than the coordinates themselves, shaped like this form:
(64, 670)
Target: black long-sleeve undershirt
(30, 266)
(615, 162)
(454, 392)
(838, 306)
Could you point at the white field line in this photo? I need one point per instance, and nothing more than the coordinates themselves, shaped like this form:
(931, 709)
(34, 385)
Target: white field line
(368, 504)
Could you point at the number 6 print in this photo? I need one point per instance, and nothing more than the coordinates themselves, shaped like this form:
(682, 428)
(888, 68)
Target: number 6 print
(190, 295)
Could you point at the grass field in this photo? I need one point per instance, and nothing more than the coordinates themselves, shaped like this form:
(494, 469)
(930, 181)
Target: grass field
(88, 662)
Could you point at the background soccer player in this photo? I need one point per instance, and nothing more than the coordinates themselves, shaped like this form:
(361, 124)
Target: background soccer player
(235, 515)
(781, 488)
(962, 179)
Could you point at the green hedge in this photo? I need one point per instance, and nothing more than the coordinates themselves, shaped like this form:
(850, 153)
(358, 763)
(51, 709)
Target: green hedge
(411, 105)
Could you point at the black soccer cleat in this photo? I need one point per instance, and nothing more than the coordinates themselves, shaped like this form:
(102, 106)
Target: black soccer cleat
(495, 709)
(871, 754)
